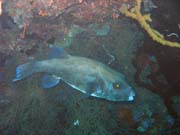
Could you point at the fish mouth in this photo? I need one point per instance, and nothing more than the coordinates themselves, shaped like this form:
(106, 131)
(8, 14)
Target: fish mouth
(131, 96)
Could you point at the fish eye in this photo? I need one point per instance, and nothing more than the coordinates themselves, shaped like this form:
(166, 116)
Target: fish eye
(116, 85)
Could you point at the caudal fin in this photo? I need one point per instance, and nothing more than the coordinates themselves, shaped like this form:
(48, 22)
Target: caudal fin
(23, 71)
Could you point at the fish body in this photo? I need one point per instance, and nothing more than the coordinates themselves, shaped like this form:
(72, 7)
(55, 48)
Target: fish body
(83, 74)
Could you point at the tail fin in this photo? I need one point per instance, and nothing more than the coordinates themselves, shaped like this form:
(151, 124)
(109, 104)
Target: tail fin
(23, 71)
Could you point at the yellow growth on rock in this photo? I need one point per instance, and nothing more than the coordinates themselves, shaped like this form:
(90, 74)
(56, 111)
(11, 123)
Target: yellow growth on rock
(136, 14)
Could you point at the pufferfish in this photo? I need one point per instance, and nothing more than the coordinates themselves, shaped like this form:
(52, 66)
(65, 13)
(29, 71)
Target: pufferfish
(88, 76)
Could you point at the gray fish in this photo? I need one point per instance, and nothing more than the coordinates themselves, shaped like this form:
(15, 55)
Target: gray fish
(85, 75)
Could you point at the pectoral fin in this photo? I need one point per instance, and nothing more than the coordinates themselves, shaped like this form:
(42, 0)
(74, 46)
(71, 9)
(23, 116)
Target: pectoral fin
(91, 87)
(49, 81)
(95, 88)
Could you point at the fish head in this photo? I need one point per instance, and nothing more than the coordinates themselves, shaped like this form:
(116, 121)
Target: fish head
(119, 91)
(116, 88)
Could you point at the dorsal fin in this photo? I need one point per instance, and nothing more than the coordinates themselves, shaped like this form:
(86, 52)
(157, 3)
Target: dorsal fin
(57, 52)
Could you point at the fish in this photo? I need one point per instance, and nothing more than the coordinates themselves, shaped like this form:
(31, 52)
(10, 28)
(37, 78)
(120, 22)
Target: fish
(86, 75)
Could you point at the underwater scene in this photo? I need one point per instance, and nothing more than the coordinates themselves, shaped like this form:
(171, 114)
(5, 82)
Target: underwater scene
(89, 67)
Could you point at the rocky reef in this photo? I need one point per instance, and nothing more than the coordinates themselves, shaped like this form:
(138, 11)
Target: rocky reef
(97, 30)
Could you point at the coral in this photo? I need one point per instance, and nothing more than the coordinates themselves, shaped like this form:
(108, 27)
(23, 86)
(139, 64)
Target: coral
(100, 30)
(61, 110)
(87, 116)
(75, 30)
(176, 104)
(23, 11)
(68, 39)
(146, 67)
(135, 13)
(32, 112)
(125, 114)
